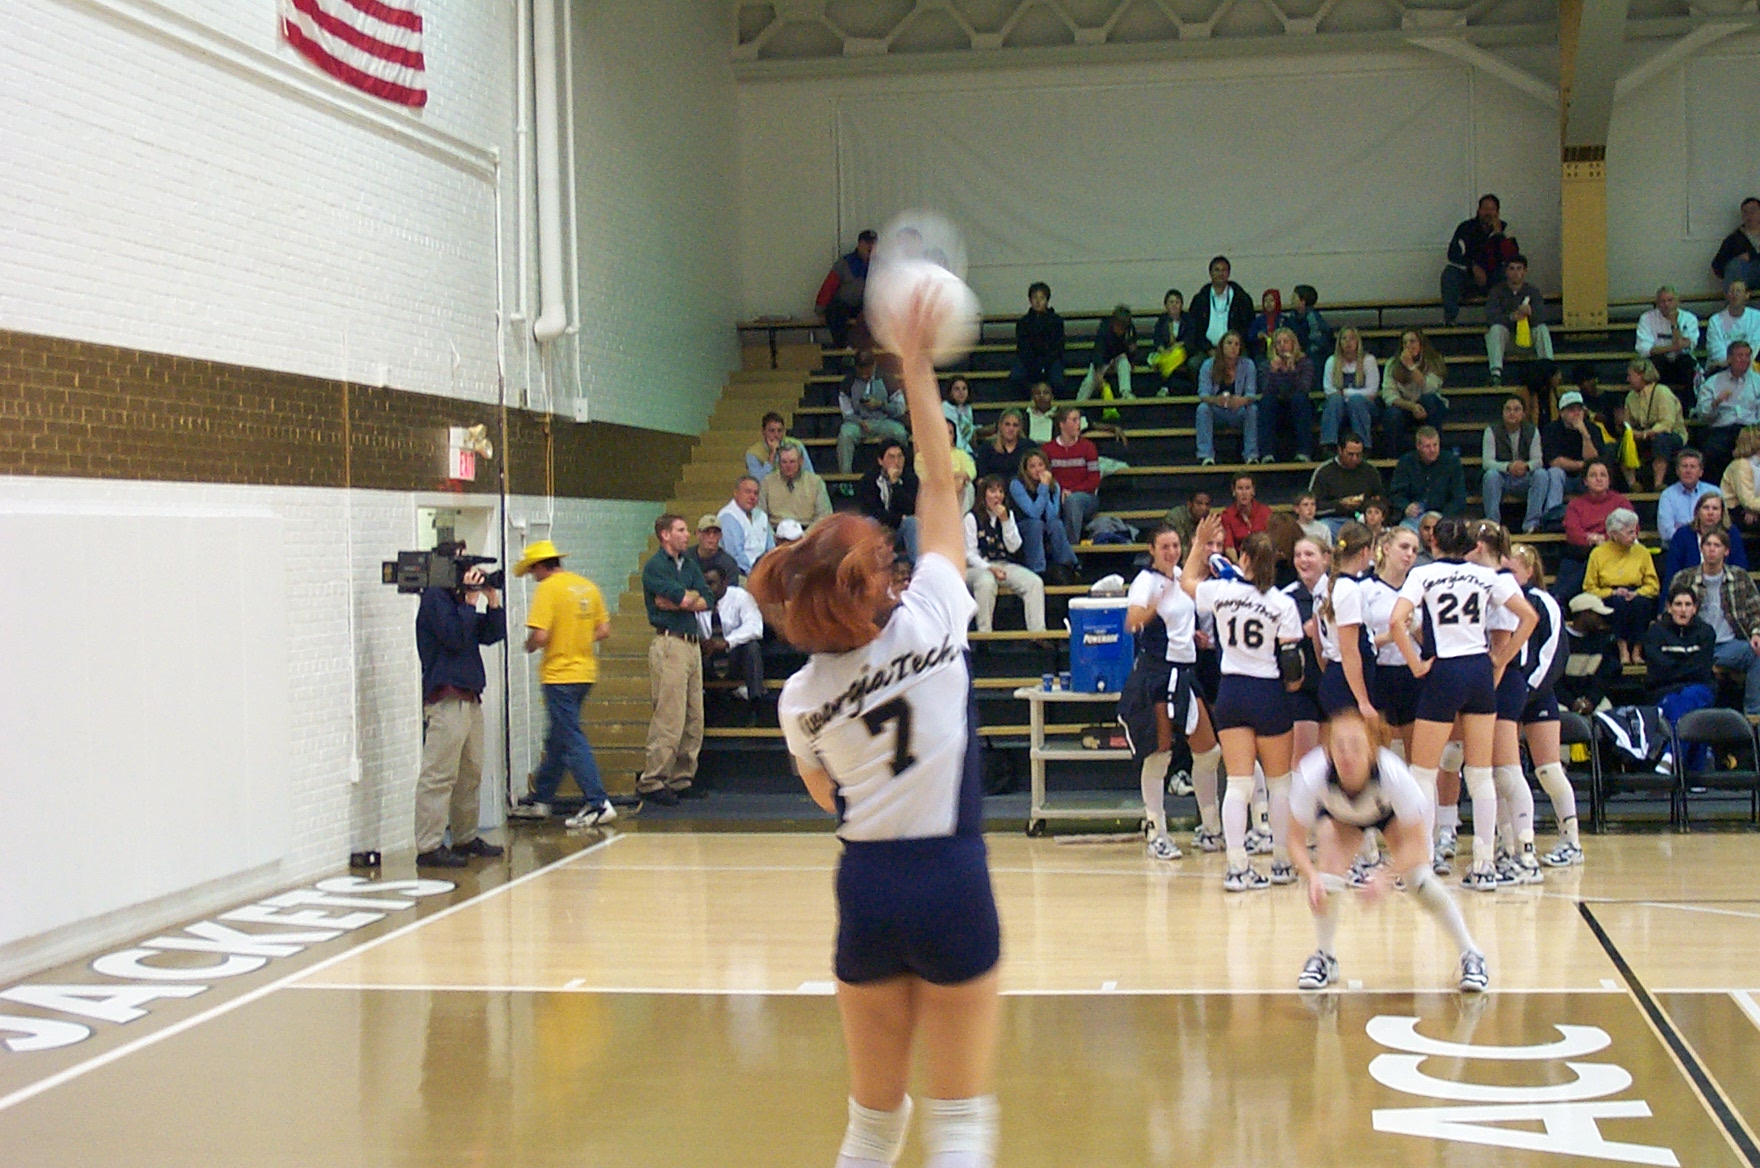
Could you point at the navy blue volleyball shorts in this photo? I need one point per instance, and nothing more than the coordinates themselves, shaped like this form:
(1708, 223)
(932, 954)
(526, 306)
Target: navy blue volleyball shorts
(917, 906)
(1455, 686)
(1259, 704)
(1395, 694)
(1542, 706)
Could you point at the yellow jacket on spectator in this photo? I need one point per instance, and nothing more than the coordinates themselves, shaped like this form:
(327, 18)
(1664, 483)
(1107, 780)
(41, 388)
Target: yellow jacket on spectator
(1739, 486)
(1659, 409)
(1613, 566)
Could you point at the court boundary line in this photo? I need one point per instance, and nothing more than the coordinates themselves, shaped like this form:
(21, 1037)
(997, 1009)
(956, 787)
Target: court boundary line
(1744, 1000)
(1709, 1090)
(105, 1058)
(734, 992)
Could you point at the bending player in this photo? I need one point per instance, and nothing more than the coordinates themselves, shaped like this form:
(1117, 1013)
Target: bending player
(1341, 789)
(881, 723)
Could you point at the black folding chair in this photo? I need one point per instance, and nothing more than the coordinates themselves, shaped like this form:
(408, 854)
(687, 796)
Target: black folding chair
(1727, 733)
(1574, 729)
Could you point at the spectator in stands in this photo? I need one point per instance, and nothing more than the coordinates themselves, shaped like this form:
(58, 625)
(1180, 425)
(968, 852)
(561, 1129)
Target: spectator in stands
(956, 407)
(1286, 380)
(1115, 348)
(965, 470)
(1509, 306)
(1539, 392)
(1730, 604)
(1667, 335)
(1352, 382)
(1221, 308)
(1041, 415)
(1428, 478)
(993, 541)
(1074, 462)
(840, 296)
(733, 641)
(1741, 481)
(1585, 525)
(1511, 456)
(745, 527)
(1727, 402)
(888, 495)
(1737, 322)
(761, 455)
(1246, 514)
(1592, 666)
(871, 411)
(1476, 257)
(1377, 511)
(1411, 390)
(1311, 328)
(1172, 358)
(1738, 257)
(788, 531)
(1680, 653)
(1038, 509)
(1681, 550)
(1186, 517)
(674, 591)
(708, 552)
(1343, 484)
(1622, 572)
(1659, 429)
(793, 492)
(1306, 511)
(1677, 504)
(1427, 551)
(1571, 441)
(1038, 342)
(1228, 392)
(1269, 320)
(1001, 456)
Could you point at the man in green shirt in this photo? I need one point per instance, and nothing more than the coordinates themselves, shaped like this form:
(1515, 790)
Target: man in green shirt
(674, 590)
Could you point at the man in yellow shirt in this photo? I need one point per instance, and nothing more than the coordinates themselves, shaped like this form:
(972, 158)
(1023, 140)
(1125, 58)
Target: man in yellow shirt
(567, 620)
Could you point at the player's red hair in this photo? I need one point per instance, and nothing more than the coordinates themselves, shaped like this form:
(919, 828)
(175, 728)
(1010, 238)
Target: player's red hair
(829, 591)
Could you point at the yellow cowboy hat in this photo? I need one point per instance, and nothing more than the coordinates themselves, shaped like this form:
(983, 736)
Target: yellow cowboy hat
(536, 553)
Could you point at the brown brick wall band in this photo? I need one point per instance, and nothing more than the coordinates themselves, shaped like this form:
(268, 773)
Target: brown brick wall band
(74, 409)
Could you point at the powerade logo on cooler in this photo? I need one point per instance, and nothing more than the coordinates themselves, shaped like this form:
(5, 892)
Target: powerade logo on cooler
(1099, 637)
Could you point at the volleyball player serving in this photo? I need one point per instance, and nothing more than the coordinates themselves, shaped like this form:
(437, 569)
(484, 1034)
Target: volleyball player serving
(1456, 598)
(880, 722)
(1260, 635)
(1341, 789)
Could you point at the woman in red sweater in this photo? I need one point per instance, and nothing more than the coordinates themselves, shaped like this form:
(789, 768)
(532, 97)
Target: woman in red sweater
(1585, 524)
(1075, 464)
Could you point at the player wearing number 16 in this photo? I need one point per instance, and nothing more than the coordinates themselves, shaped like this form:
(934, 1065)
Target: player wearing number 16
(1461, 681)
(881, 723)
(1260, 632)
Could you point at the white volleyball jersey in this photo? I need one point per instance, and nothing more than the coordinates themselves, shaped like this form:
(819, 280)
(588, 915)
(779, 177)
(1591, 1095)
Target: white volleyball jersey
(1391, 790)
(889, 721)
(1347, 609)
(1180, 617)
(1501, 619)
(1379, 598)
(1456, 599)
(1249, 625)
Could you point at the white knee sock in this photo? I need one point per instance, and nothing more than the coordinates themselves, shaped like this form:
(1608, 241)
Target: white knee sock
(1277, 790)
(960, 1133)
(1235, 804)
(1481, 786)
(1153, 778)
(1204, 771)
(1261, 803)
(1326, 920)
(1436, 901)
(1512, 788)
(873, 1138)
(1564, 799)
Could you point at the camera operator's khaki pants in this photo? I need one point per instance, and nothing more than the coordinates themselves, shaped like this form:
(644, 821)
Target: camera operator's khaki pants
(675, 732)
(452, 771)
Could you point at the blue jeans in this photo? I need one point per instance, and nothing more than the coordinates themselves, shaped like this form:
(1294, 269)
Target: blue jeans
(1036, 536)
(1358, 407)
(1397, 425)
(1738, 656)
(1296, 413)
(1078, 508)
(1545, 489)
(565, 747)
(1244, 418)
(907, 535)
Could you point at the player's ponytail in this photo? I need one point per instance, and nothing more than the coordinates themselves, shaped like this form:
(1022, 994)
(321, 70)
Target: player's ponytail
(1352, 539)
(829, 591)
(1259, 561)
(1456, 538)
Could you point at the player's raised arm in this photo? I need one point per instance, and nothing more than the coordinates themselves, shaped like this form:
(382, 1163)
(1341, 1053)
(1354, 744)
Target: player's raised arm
(938, 517)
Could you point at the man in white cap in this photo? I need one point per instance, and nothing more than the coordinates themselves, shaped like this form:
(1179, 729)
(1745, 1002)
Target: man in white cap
(567, 619)
(789, 530)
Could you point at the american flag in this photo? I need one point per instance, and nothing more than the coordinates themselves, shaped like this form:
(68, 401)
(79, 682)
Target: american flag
(372, 45)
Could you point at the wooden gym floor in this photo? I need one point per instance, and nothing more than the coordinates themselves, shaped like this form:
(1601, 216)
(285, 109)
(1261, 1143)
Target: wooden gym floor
(650, 998)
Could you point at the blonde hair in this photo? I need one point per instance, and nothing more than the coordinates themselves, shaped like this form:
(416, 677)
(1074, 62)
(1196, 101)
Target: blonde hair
(1529, 558)
(1747, 446)
(1430, 363)
(1352, 538)
(1645, 368)
(1336, 379)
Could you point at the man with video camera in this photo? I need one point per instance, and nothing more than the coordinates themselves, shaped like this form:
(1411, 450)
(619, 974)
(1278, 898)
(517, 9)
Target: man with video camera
(452, 626)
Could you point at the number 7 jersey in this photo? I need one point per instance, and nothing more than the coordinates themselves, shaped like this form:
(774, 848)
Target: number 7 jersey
(1457, 598)
(891, 722)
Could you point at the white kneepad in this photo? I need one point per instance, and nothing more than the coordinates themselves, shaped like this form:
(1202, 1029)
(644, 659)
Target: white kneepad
(961, 1126)
(1452, 756)
(875, 1136)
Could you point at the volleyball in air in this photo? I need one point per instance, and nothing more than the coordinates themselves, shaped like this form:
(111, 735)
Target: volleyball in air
(921, 254)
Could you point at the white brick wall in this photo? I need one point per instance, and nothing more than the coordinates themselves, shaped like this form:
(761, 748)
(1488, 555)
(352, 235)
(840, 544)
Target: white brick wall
(377, 671)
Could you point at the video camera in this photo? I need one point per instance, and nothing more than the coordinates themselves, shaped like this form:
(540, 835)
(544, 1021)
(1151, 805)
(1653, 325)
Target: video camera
(415, 571)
